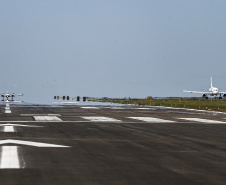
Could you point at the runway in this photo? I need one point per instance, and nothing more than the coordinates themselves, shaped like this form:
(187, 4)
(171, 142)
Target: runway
(87, 144)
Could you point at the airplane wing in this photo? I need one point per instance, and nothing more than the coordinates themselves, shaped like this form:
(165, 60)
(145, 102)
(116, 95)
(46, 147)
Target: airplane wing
(17, 101)
(196, 92)
(222, 92)
(17, 95)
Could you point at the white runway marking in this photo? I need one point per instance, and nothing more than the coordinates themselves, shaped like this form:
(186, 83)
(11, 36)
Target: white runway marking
(40, 115)
(47, 118)
(30, 143)
(207, 121)
(152, 120)
(72, 102)
(19, 125)
(100, 118)
(144, 108)
(9, 158)
(39, 121)
(9, 129)
(117, 108)
(90, 107)
(8, 111)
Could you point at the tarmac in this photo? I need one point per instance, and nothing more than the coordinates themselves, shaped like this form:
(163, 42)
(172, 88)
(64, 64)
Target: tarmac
(111, 145)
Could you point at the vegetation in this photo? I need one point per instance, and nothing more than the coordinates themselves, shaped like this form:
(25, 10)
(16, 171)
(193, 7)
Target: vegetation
(194, 103)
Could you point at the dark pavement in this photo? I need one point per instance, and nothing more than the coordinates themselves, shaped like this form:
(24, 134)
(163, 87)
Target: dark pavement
(121, 151)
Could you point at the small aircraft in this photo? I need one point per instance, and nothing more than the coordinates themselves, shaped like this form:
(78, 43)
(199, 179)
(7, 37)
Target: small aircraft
(213, 91)
(8, 95)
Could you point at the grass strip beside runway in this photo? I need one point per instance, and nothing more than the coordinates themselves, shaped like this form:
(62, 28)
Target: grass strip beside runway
(192, 103)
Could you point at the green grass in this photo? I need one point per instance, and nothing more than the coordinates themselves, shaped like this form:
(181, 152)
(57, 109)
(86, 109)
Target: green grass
(195, 103)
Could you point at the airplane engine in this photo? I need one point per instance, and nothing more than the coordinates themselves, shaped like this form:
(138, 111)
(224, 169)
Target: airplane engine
(224, 95)
(205, 96)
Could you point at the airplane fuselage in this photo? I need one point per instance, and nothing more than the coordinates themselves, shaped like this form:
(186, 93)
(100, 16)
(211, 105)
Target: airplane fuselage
(213, 91)
(8, 95)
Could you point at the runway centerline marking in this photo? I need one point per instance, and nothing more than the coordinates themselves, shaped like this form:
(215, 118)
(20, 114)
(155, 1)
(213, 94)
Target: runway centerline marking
(47, 118)
(7, 109)
(207, 121)
(9, 158)
(100, 118)
(152, 120)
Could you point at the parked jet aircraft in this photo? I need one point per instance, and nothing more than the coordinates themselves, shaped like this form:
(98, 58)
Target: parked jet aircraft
(8, 95)
(213, 91)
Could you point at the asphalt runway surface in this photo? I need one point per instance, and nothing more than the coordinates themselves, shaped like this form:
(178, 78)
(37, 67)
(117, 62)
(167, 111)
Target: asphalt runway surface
(111, 145)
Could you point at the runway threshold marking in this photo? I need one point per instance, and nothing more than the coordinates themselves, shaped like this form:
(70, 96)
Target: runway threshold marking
(152, 120)
(100, 118)
(9, 158)
(207, 121)
(47, 118)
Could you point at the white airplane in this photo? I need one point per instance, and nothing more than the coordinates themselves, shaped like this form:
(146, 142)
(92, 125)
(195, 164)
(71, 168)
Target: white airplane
(8, 95)
(213, 91)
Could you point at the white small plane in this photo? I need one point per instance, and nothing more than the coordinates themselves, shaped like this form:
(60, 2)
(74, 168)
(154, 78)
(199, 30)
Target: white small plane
(213, 91)
(8, 95)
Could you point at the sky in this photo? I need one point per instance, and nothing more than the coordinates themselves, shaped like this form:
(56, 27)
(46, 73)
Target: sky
(111, 48)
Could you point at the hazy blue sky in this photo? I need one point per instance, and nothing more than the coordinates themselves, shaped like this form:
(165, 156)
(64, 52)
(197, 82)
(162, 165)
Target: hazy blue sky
(114, 48)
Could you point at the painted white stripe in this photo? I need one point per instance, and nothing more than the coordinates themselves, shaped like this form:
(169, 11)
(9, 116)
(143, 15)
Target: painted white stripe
(9, 129)
(37, 121)
(152, 120)
(117, 108)
(47, 118)
(145, 109)
(208, 121)
(29, 143)
(90, 107)
(66, 102)
(9, 158)
(100, 118)
(40, 115)
(8, 111)
(19, 125)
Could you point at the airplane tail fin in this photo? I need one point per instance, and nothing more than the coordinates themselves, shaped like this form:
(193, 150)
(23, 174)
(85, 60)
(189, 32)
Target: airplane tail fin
(211, 82)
